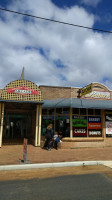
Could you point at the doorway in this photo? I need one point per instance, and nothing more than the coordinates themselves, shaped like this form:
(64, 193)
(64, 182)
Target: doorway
(17, 126)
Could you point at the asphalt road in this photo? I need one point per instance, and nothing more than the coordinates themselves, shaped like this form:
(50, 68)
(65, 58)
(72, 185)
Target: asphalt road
(69, 187)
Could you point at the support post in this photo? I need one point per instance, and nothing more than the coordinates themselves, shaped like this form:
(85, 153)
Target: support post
(39, 132)
(70, 122)
(1, 122)
(37, 125)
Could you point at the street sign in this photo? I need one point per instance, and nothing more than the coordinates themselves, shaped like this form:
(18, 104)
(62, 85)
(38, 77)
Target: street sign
(87, 89)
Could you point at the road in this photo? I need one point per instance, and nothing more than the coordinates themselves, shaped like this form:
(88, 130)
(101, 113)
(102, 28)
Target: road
(79, 187)
(79, 183)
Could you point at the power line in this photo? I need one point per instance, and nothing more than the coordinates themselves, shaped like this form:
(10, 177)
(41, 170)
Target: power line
(56, 21)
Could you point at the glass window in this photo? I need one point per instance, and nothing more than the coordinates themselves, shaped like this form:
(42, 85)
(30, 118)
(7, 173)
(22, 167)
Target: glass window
(50, 111)
(66, 110)
(44, 111)
(62, 125)
(76, 111)
(97, 112)
(59, 111)
(90, 111)
(83, 111)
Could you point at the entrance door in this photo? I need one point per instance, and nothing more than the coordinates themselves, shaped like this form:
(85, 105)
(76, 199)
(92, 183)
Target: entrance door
(17, 126)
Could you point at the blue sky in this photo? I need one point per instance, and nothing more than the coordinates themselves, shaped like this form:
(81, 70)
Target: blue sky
(56, 54)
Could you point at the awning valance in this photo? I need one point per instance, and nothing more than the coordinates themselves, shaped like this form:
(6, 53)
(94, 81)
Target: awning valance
(78, 103)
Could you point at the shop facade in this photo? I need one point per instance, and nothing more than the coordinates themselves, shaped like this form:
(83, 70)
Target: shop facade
(26, 109)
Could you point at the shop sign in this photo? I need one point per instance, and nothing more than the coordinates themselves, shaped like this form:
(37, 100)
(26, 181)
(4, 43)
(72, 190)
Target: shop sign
(94, 126)
(86, 90)
(92, 119)
(78, 121)
(95, 133)
(98, 95)
(79, 131)
(109, 127)
(22, 90)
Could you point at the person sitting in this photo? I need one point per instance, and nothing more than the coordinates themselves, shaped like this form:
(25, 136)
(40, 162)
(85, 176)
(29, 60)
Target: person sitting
(58, 139)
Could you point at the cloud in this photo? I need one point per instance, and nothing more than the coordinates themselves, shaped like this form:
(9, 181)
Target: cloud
(93, 3)
(52, 53)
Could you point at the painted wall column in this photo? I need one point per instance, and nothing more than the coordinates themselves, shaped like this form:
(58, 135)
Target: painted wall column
(71, 123)
(37, 125)
(1, 121)
(103, 124)
(39, 131)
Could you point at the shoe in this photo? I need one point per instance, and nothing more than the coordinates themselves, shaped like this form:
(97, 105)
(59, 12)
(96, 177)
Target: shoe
(49, 149)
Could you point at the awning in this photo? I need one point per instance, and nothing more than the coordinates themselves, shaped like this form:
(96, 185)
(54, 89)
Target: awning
(78, 103)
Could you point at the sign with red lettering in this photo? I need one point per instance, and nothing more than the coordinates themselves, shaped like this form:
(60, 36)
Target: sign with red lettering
(22, 90)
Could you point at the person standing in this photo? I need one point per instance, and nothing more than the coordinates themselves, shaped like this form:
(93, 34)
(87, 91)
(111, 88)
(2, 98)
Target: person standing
(48, 136)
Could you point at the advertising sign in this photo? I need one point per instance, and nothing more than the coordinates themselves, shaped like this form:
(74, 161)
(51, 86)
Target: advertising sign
(108, 119)
(94, 122)
(109, 127)
(92, 119)
(22, 90)
(94, 126)
(78, 121)
(95, 133)
(79, 132)
(98, 95)
(87, 89)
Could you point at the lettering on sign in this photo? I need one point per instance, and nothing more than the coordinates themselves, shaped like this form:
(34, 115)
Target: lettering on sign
(96, 133)
(22, 90)
(86, 90)
(98, 95)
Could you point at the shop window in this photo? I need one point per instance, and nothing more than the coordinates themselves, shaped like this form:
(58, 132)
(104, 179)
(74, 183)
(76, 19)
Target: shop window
(76, 111)
(83, 111)
(90, 111)
(66, 110)
(97, 112)
(44, 111)
(62, 124)
(50, 111)
(59, 111)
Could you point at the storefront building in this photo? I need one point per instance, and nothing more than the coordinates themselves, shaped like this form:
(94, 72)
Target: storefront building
(26, 109)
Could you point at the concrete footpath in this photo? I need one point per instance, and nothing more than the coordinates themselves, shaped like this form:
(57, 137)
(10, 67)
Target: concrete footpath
(11, 155)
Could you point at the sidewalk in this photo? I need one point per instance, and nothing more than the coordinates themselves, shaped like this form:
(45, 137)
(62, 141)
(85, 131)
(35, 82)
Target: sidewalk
(10, 155)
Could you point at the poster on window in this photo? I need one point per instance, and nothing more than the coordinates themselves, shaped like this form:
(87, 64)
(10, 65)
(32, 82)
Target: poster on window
(95, 133)
(79, 132)
(79, 121)
(108, 121)
(109, 128)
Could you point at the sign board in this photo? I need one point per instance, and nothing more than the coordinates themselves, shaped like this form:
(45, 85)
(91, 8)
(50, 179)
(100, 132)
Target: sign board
(87, 89)
(78, 121)
(95, 133)
(22, 90)
(108, 119)
(98, 95)
(79, 132)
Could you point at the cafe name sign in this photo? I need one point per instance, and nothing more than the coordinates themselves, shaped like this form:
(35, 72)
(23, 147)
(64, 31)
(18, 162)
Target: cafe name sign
(87, 89)
(22, 90)
(98, 95)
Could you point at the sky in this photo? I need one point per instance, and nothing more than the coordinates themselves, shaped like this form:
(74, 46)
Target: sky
(52, 53)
